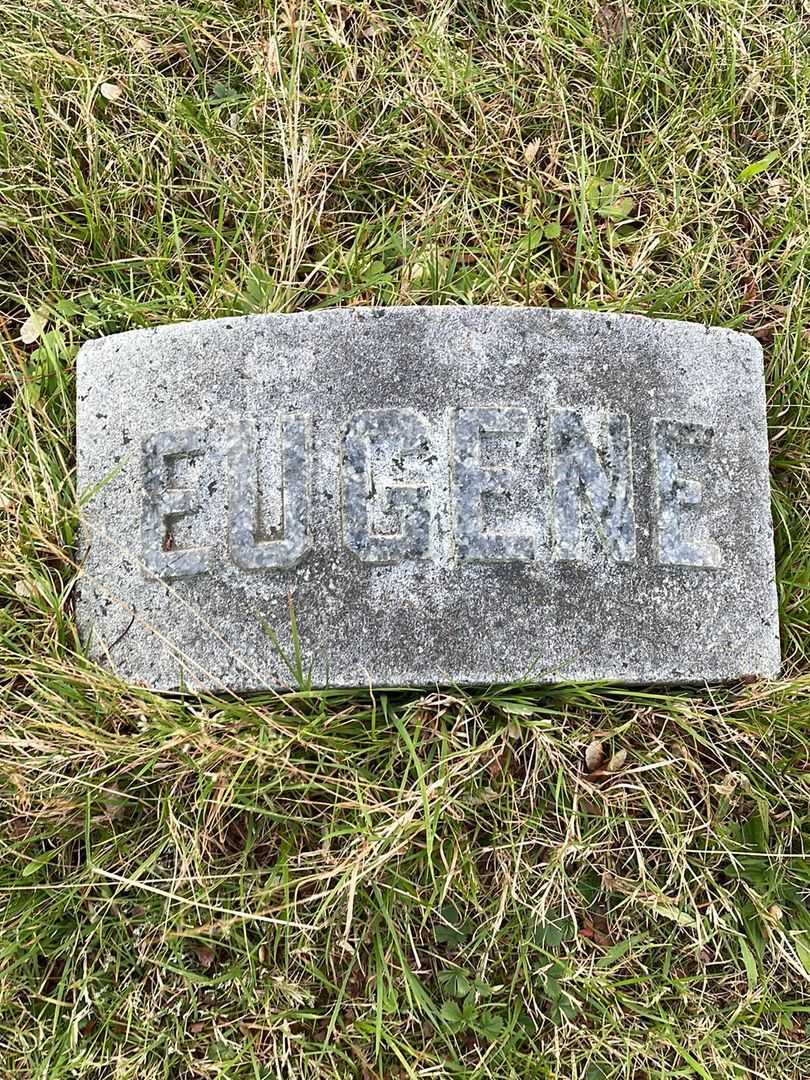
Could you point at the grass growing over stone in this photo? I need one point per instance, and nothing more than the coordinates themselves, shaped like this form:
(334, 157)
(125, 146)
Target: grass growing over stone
(576, 882)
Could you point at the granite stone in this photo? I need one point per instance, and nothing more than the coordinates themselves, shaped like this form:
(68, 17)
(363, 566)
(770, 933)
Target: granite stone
(420, 496)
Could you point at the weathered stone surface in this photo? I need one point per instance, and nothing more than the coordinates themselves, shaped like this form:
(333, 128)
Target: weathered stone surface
(451, 495)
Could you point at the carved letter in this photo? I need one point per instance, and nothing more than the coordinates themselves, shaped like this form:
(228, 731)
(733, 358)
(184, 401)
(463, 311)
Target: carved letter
(473, 481)
(599, 478)
(375, 448)
(163, 504)
(678, 496)
(250, 545)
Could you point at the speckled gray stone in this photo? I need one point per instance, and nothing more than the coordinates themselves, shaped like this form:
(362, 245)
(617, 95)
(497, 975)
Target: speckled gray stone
(440, 495)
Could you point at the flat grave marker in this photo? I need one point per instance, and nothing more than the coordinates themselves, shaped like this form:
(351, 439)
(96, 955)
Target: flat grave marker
(451, 495)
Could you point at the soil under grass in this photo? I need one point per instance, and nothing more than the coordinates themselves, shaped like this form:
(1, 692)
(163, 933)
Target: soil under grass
(398, 884)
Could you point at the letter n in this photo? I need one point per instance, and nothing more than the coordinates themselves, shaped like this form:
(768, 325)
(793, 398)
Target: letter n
(592, 476)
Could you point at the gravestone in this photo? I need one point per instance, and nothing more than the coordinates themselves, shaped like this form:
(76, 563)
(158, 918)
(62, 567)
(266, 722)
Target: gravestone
(412, 496)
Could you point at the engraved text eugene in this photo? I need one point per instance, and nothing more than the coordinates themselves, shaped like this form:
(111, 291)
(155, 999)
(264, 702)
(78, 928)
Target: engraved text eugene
(389, 506)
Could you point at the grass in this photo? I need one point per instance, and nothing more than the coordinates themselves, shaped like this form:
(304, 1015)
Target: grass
(398, 885)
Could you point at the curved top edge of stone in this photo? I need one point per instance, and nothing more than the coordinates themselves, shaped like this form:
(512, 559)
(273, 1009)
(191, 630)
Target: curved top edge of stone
(461, 311)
